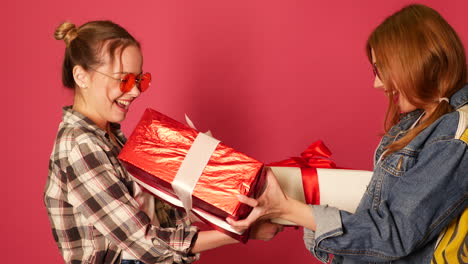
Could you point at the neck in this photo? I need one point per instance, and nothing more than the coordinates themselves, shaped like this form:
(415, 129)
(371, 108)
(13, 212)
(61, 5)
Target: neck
(79, 105)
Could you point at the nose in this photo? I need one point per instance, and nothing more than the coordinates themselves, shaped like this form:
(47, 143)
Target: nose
(135, 91)
(378, 84)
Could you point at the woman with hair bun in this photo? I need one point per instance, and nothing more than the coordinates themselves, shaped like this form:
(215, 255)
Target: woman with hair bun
(415, 207)
(98, 214)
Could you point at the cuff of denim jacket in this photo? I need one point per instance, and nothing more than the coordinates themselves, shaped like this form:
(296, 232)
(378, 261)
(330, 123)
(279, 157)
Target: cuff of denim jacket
(328, 224)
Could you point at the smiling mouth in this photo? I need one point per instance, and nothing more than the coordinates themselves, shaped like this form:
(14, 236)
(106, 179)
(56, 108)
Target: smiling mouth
(123, 104)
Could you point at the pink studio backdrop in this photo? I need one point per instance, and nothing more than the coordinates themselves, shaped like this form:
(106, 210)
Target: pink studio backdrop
(266, 77)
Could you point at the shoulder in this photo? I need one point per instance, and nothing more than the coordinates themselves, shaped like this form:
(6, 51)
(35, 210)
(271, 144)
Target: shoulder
(81, 153)
(71, 137)
(450, 127)
(446, 140)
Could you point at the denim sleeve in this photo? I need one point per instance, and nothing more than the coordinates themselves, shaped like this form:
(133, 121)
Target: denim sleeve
(421, 203)
(328, 222)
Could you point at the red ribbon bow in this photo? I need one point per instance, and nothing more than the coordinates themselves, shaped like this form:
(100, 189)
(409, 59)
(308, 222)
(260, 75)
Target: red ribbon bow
(317, 155)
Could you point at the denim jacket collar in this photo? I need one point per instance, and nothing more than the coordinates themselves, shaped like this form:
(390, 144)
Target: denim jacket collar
(460, 98)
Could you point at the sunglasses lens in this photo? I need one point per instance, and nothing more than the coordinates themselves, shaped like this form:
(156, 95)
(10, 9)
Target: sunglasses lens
(145, 81)
(127, 83)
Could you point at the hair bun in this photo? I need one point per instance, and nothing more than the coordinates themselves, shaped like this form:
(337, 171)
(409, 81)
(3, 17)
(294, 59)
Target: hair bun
(66, 31)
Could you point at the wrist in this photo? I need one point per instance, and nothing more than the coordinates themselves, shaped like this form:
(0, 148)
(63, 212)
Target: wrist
(299, 213)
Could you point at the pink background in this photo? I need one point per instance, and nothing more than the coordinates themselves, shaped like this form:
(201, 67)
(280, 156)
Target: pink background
(267, 78)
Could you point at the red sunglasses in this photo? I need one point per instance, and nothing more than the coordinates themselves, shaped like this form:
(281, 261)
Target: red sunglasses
(143, 81)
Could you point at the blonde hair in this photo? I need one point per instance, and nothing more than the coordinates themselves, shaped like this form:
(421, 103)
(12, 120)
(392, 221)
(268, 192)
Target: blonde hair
(66, 31)
(84, 44)
(419, 54)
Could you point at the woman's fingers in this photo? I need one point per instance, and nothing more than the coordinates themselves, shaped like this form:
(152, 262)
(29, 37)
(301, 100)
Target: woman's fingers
(246, 200)
(241, 224)
(265, 230)
(265, 207)
(245, 223)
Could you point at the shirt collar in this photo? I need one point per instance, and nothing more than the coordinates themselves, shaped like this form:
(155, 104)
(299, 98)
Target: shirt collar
(73, 117)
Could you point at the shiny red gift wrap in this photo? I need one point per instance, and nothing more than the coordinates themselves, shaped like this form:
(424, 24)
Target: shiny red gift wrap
(159, 144)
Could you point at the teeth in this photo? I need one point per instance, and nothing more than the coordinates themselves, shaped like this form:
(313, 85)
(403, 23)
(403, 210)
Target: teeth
(123, 103)
(126, 103)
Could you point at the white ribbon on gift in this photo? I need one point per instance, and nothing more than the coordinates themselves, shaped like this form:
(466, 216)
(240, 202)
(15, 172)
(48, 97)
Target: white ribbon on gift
(192, 166)
(221, 222)
(190, 124)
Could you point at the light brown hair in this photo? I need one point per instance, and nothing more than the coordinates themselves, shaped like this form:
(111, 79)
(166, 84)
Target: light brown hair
(419, 54)
(84, 45)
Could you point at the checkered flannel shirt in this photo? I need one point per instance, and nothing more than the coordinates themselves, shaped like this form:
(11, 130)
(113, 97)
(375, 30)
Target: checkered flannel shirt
(89, 199)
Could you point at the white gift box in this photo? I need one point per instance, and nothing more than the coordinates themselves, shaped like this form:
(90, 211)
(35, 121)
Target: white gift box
(340, 188)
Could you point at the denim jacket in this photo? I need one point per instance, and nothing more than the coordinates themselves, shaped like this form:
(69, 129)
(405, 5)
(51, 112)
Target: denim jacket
(413, 195)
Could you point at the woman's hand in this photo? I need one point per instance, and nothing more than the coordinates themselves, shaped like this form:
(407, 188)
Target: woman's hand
(271, 204)
(265, 230)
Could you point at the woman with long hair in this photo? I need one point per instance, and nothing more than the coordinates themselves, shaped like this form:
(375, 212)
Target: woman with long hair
(414, 209)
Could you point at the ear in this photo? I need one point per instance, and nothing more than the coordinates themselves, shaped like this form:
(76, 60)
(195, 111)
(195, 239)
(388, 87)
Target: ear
(81, 77)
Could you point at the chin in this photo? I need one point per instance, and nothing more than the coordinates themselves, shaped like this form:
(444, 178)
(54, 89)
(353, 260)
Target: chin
(117, 119)
(407, 109)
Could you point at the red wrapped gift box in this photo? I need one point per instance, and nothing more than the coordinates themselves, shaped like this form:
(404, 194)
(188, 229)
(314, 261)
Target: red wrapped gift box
(156, 149)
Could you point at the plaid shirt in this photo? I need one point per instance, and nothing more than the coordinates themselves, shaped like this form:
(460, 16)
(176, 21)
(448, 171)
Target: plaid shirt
(91, 203)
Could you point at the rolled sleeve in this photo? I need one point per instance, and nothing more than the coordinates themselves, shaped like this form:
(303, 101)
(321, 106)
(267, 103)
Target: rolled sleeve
(180, 242)
(328, 222)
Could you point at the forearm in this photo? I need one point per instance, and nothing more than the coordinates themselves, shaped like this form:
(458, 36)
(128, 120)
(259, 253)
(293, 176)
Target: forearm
(299, 213)
(211, 239)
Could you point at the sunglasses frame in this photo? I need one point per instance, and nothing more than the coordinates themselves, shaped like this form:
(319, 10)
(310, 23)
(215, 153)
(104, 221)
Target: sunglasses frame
(130, 77)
